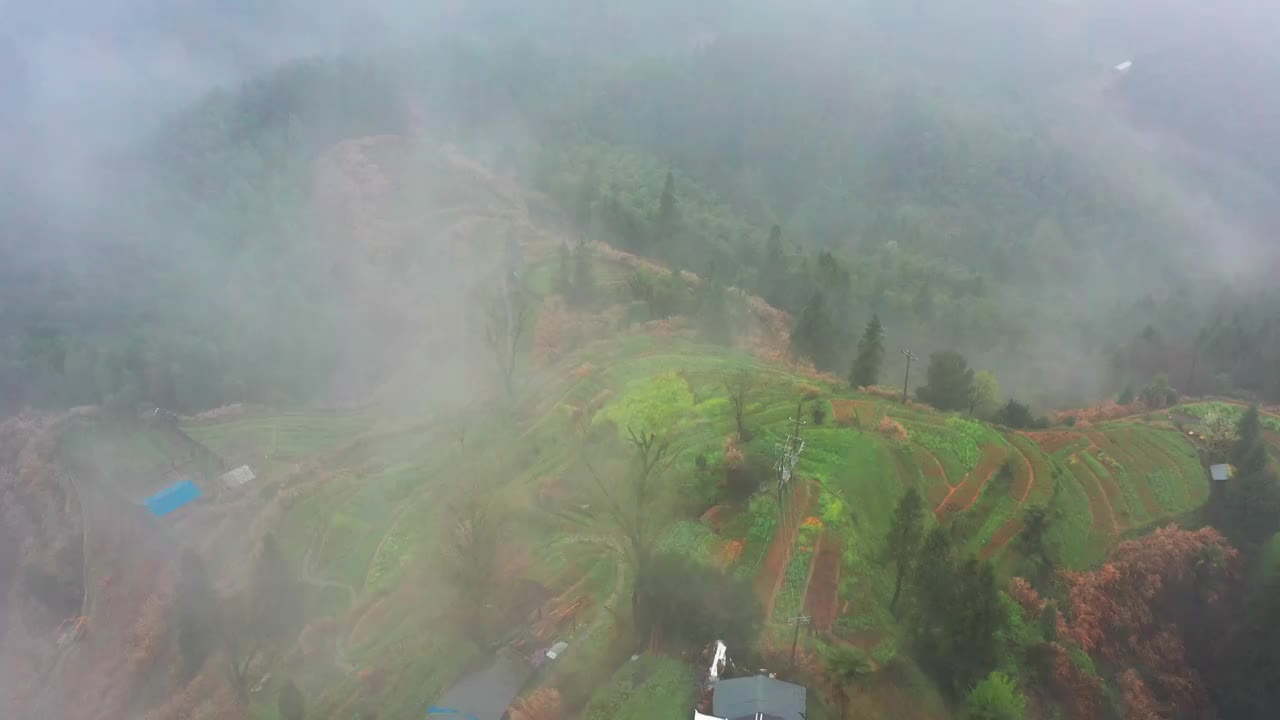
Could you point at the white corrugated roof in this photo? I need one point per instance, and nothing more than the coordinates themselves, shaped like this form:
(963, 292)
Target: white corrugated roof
(1220, 472)
(238, 477)
(1124, 66)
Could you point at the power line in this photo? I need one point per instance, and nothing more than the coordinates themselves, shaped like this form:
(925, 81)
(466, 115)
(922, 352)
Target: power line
(907, 378)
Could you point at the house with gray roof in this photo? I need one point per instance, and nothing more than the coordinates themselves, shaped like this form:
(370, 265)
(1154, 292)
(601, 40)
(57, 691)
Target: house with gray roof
(758, 698)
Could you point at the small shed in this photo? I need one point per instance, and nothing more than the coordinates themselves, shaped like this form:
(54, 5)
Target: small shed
(1125, 66)
(759, 697)
(557, 650)
(172, 498)
(239, 476)
(1220, 473)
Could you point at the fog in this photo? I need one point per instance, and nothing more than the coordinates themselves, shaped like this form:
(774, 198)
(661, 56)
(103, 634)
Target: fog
(88, 84)
(387, 253)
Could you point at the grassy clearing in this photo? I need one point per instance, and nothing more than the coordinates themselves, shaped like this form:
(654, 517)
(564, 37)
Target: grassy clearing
(278, 440)
(650, 687)
(1071, 533)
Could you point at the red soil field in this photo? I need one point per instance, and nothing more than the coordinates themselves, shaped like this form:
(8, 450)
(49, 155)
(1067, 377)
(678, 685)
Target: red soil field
(769, 576)
(1053, 440)
(822, 602)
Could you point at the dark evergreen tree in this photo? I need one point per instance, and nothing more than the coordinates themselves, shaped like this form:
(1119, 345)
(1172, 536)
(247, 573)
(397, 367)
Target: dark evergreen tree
(773, 270)
(269, 618)
(290, 702)
(811, 335)
(196, 607)
(583, 280)
(949, 381)
(713, 313)
(903, 542)
(667, 211)
(866, 366)
(958, 617)
(1015, 415)
(1252, 502)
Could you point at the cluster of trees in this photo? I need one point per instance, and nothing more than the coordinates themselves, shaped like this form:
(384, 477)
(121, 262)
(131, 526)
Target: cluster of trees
(204, 284)
(242, 629)
(954, 617)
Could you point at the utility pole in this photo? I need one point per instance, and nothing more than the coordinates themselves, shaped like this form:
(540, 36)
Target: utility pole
(907, 378)
(788, 455)
(795, 637)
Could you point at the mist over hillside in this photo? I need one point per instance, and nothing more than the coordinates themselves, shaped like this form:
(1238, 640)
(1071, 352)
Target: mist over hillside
(983, 173)
(381, 359)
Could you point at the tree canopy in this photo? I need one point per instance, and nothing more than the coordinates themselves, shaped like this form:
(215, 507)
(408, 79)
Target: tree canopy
(950, 382)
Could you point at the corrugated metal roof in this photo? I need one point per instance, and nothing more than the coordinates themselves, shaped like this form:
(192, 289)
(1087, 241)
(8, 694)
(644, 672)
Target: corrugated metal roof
(1220, 472)
(172, 498)
(759, 695)
(238, 477)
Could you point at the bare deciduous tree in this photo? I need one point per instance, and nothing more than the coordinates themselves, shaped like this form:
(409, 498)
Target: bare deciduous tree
(629, 503)
(507, 315)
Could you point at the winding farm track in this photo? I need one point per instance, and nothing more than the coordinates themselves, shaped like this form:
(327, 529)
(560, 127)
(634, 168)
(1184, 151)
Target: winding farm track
(988, 465)
(1031, 473)
(1014, 525)
(340, 638)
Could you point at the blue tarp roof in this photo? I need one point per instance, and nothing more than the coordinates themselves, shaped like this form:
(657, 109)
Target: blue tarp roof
(172, 498)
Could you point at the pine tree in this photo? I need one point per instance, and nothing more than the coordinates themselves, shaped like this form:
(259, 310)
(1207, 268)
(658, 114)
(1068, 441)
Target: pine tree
(583, 282)
(196, 607)
(866, 367)
(811, 334)
(903, 542)
(290, 703)
(1250, 454)
(949, 382)
(667, 210)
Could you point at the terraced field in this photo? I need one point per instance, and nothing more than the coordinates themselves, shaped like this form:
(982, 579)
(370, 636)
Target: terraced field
(372, 520)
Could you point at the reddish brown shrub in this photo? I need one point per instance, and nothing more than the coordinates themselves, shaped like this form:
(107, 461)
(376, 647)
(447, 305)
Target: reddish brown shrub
(892, 428)
(541, 704)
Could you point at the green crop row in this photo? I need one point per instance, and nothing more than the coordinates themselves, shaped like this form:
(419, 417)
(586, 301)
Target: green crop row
(960, 447)
(791, 595)
(692, 540)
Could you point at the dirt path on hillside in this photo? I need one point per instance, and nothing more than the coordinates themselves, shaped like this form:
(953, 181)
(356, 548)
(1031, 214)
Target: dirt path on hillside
(1031, 475)
(308, 577)
(1014, 525)
(1002, 537)
(963, 496)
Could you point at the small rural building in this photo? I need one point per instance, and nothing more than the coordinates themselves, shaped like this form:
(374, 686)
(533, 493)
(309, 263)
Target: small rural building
(239, 476)
(172, 498)
(1125, 66)
(1220, 473)
(758, 698)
